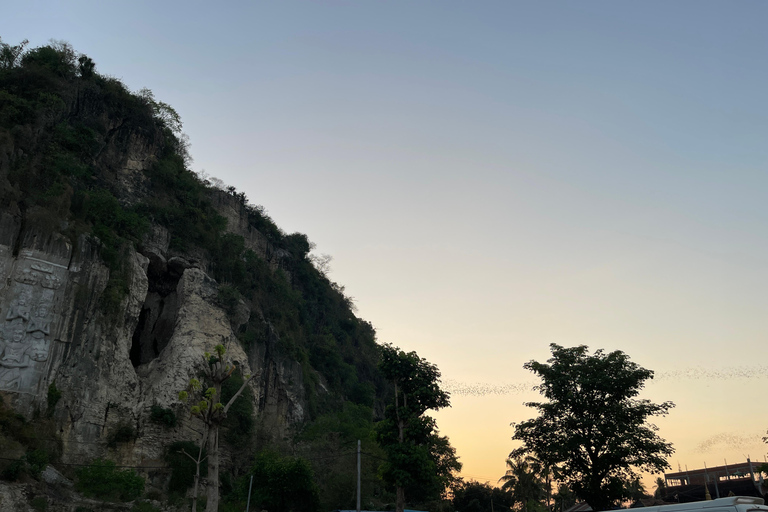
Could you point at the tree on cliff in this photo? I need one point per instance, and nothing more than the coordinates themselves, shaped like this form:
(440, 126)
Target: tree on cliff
(213, 413)
(420, 463)
(593, 428)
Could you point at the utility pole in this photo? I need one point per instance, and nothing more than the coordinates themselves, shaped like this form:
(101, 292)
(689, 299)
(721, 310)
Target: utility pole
(358, 475)
(248, 506)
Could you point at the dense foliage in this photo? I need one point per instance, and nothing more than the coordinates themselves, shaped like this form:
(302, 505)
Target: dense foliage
(65, 129)
(330, 445)
(420, 463)
(65, 133)
(472, 496)
(592, 427)
(527, 483)
(102, 479)
(27, 446)
(280, 484)
(182, 467)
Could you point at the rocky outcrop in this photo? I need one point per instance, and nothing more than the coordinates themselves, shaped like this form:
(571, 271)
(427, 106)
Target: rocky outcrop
(58, 496)
(235, 210)
(91, 156)
(112, 368)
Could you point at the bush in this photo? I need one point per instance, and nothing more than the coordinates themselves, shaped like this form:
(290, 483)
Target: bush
(102, 480)
(229, 298)
(14, 471)
(33, 463)
(144, 506)
(239, 423)
(39, 503)
(54, 395)
(182, 467)
(163, 416)
(37, 460)
(282, 484)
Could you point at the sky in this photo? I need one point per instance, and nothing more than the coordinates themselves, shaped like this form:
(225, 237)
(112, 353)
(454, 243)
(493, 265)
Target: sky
(493, 177)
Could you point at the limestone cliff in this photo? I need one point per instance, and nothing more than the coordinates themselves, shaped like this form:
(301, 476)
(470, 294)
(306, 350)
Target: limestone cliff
(120, 268)
(113, 368)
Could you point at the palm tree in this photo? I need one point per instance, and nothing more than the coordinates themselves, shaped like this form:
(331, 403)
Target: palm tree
(547, 473)
(524, 481)
(661, 487)
(635, 490)
(564, 497)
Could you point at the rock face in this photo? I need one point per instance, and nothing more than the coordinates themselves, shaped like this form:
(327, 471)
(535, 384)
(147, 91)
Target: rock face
(98, 333)
(112, 368)
(33, 301)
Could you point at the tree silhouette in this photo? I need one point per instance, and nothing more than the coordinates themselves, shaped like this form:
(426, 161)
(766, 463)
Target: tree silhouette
(592, 426)
(419, 461)
(524, 481)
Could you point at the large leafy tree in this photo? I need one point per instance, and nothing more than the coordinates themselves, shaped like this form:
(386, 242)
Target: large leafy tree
(592, 426)
(420, 462)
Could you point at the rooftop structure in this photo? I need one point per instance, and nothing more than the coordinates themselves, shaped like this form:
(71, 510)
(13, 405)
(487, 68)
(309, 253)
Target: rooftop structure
(740, 479)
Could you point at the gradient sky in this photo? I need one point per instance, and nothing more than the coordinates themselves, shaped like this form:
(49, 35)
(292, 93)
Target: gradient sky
(493, 177)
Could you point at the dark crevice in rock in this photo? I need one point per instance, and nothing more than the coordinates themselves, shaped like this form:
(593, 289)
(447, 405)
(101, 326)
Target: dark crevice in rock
(136, 340)
(157, 319)
(20, 234)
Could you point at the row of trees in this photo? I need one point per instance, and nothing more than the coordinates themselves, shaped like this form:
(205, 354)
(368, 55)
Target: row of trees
(534, 486)
(591, 435)
(589, 442)
(419, 464)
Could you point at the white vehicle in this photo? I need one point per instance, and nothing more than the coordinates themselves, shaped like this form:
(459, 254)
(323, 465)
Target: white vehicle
(729, 504)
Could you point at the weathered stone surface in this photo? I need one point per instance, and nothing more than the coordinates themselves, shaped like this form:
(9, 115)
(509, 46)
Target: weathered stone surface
(113, 369)
(17, 497)
(234, 211)
(13, 497)
(32, 297)
(53, 477)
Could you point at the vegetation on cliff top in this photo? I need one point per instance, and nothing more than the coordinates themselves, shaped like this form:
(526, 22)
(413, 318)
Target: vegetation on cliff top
(66, 133)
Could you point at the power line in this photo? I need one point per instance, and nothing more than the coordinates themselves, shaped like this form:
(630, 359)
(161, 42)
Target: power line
(73, 464)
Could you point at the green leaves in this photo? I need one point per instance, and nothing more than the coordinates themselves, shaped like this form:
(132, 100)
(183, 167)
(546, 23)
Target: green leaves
(418, 459)
(10, 56)
(417, 381)
(283, 484)
(593, 427)
(101, 479)
(162, 111)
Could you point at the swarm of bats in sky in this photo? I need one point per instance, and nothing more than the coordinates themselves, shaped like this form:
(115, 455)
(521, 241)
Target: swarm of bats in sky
(478, 389)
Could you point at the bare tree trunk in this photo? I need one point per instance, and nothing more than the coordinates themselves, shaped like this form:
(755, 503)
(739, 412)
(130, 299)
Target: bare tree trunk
(197, 473)
(194, 495)
(213, 470)
(400, 503)
(197, 462)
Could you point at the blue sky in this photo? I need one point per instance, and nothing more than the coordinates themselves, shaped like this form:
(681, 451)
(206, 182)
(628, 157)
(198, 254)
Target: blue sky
(491, 177)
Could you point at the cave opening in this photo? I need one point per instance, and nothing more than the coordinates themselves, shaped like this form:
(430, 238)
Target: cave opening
(157, 319)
